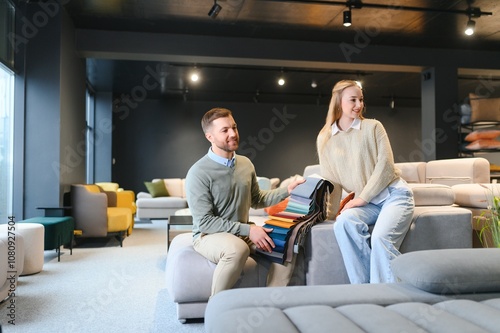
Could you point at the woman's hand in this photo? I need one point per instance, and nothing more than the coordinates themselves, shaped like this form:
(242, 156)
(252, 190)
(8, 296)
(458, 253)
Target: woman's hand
(356, 202)
(296, 181)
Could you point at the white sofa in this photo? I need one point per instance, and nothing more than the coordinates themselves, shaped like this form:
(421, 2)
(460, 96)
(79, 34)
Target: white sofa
(162, 207)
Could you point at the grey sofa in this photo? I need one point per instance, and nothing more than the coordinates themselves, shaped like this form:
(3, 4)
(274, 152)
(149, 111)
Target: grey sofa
(439, 291)
(442, 226)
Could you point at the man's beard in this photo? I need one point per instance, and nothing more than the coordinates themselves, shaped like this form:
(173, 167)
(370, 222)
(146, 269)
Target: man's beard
(225, 147)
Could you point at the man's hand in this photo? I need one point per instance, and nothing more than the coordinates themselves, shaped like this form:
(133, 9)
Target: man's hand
(297, 181)
(259, 236)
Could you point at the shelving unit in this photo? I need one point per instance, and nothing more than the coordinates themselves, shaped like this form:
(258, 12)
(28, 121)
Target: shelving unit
(492, 154)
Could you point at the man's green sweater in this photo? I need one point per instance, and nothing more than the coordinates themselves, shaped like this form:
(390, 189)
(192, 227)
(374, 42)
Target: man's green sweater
(220, 197)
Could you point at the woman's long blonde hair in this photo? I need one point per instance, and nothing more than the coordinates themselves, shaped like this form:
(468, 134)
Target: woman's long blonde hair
(335, 111)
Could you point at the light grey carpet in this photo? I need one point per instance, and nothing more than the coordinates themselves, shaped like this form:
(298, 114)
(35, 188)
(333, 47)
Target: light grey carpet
(100, 288)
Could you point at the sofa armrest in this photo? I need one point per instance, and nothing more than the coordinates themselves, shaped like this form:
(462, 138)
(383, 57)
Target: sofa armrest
(141, 195)
(432, 194)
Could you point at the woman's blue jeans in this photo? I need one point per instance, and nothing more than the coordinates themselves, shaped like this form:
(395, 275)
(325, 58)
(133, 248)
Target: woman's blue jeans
(367, 258)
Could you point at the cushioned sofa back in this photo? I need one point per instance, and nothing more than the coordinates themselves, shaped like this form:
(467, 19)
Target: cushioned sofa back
(310, 170)
(175, 186)
(412, 172)
(458, 171)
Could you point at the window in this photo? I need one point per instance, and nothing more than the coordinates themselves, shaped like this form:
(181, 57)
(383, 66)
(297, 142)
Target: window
(6, 141)
(90, 136)
(6, 33)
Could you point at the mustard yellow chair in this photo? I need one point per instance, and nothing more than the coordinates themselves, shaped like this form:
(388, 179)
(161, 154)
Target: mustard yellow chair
(124, 198)
(96, 213)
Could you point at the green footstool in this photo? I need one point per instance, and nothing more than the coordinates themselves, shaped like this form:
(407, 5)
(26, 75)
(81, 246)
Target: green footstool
(58, 231)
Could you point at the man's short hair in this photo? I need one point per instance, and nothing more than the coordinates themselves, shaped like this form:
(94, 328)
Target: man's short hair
(213, 114)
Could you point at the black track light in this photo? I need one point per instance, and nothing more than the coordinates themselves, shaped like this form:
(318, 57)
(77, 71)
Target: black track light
(347, 18)
(469, 28)
(215, 10)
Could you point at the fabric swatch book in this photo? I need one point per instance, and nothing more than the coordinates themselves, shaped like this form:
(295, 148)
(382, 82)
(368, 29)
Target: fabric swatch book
(292, 219)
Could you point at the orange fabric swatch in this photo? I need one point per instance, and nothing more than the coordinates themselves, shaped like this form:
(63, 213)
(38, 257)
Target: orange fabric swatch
(279, 207)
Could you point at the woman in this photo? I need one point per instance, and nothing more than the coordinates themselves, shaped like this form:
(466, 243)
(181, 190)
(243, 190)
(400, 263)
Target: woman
(355, 154)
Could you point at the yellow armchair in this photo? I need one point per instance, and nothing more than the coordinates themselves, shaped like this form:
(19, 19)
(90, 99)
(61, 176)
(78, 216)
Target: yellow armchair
(97, 214)
(124, 198)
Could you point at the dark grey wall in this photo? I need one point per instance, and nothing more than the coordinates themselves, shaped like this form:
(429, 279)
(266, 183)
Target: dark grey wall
(72, 97)
(42, 119)
(54, 114)
(162, 139)
(102, 137)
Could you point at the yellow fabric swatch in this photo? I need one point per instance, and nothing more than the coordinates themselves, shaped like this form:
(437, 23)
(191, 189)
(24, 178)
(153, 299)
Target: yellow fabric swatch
(281, 224)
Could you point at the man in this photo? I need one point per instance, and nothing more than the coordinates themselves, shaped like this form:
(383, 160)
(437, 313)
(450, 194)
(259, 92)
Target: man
(220, 189)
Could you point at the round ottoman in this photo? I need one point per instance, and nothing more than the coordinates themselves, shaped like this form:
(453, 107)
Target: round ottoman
(15, 264)
(33, 236)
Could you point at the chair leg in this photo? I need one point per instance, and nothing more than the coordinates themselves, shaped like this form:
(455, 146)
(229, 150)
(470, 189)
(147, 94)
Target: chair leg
(121, 236)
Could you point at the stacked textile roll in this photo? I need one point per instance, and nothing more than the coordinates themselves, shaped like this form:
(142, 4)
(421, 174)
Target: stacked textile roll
(292, 219)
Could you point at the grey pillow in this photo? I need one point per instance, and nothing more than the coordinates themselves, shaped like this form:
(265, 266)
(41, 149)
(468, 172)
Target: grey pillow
(450, 271)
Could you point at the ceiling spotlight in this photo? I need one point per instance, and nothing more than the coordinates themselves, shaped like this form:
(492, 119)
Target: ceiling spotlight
(281, 79)
(215, 10)
(392, 103)
(194, 75)
(256, 97)
(469, 28)
(347, 18)
(314, 84)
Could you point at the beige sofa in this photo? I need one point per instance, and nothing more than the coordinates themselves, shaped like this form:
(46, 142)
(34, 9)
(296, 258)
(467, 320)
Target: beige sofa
(477, 198)
(438, 223)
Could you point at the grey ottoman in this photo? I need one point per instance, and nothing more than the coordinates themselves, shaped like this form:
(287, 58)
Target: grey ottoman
(189, 277)
(432, 227)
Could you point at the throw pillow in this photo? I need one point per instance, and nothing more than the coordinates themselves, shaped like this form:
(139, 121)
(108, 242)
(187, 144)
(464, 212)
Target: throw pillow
(450, 271)
(484, 109)
(344, 201)
(157, 189)
(483, 144)
(482, 134)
